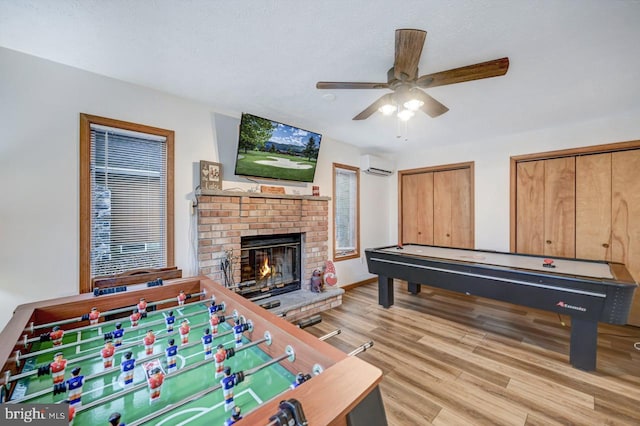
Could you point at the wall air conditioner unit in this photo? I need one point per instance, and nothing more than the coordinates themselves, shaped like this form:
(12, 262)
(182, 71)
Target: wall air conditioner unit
(376, 166)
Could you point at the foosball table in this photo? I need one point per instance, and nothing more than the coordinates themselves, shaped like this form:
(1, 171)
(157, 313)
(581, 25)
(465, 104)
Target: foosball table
(187, 352)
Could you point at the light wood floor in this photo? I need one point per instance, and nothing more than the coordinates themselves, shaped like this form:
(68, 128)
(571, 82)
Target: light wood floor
(451, 359)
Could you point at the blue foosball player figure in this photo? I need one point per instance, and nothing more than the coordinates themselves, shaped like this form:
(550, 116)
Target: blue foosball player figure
(170, 320)
(235, 416)
(228, 382)
(118, 335)
(207, 344)
(114, 419)
(238, 329)
(74, 387)
(126, 366)
(172, 356)
(300, 379)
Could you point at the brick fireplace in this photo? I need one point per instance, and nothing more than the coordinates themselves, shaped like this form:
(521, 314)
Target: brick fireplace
(226, 217)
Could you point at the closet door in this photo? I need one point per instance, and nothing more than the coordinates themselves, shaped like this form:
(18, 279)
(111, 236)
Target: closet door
(593, 206)
(452, 216)
(560, 207)
(417, 208)
(530, 207)
(625, 242)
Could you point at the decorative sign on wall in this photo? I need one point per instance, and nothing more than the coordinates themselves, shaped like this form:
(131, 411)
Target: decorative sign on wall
(210, 175)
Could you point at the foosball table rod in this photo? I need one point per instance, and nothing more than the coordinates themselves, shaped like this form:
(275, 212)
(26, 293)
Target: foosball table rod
(363, 347)
(33, 327)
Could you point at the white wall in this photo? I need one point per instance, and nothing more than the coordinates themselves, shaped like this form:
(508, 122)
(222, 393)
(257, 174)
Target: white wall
(492, 161)
(40, 103)
(39, 157)
(374, 214)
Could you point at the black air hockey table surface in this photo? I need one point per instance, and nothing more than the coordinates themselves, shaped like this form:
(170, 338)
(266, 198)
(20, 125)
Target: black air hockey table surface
(588, 291)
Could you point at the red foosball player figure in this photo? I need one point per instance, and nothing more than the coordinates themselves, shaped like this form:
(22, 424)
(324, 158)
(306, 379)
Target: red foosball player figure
(235, 416)
(207, 344)
(181, 298)
(142, 307)
(184, 332)
(94, 316)
(220, 356)
(148, 340)
(114, 419)
(172, 356)
(72, 414)
(214, 321)
(56, 335)
(74, 386)
(134, 318)
(57, 368)
(155, 384)
(107, 354)
(127, 366)
(118, 334)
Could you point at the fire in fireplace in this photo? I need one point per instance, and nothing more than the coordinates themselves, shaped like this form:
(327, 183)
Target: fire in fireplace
(269, 265)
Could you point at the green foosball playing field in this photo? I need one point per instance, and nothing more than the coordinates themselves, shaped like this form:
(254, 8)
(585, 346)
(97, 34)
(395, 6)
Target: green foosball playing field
(265, 384)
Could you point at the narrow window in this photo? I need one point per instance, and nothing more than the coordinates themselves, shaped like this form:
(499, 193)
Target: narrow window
(126, 198)
(346, 212)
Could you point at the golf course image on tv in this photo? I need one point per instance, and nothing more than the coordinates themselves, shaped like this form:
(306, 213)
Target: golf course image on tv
(269, 149)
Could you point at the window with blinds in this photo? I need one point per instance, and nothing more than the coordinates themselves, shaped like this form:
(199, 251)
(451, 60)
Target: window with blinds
(346, 185)
(128, 172)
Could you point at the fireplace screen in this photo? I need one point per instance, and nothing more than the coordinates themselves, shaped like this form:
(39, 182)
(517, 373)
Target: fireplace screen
(269, 265)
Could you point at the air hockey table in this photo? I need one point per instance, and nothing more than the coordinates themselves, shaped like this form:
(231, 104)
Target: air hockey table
(341, 389)
(588, 291)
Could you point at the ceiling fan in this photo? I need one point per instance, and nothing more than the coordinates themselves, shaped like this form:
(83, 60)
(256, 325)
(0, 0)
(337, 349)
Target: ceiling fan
(403, 79)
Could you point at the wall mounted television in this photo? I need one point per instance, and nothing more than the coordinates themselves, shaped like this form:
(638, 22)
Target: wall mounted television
(268, 149)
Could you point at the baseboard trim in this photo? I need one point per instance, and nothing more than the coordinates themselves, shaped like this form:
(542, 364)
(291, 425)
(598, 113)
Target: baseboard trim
(359, 283)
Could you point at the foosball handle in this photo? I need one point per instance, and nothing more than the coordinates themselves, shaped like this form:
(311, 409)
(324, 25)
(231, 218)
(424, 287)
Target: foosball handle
(290, 410)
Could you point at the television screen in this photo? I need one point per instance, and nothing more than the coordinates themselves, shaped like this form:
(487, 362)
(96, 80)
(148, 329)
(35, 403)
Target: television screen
(268, 149)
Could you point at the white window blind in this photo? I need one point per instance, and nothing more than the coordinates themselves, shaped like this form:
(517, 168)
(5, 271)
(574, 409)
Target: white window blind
(346, 214)
(128, 200)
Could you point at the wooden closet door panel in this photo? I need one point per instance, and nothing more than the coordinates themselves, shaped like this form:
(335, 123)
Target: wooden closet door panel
(452, 208)
(409, 208)
(625, 241)
(560, 207)
(417, 208)
(593, 206)
(425, 208)
(530, 207)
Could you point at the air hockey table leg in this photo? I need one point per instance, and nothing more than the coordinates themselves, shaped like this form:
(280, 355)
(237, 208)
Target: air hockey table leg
(385, 291)
(414, 288)
(584, 343)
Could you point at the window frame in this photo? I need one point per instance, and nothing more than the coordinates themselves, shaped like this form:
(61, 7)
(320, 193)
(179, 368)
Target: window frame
(86, 120)
(356, 253)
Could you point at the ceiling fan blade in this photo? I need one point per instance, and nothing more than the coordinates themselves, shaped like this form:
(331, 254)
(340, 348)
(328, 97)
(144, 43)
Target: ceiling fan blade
(385, 99)
(349, 85)
(431, 107)
(494, 68)
(409, 45)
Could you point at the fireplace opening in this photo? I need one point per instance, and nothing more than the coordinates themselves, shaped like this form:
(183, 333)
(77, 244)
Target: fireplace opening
(269, 265)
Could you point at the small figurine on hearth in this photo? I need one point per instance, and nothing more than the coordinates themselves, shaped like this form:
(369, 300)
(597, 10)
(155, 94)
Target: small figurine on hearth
(316, 282)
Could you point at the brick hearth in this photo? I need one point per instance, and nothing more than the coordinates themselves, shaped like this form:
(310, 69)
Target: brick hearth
(224, 217)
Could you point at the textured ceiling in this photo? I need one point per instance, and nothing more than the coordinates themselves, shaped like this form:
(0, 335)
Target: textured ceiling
(571, 60)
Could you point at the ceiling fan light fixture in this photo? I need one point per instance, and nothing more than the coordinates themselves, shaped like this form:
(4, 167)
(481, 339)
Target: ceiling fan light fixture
(405, 114)
(387, 109)
(413, 104)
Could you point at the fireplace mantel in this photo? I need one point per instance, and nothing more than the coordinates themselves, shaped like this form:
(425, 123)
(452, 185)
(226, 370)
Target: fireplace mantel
(225, 193)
